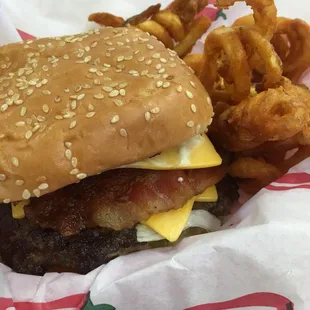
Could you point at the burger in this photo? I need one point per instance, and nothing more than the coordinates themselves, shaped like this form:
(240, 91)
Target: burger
(103, 151)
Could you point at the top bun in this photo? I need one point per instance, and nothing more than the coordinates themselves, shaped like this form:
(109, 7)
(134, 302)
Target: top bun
(75, 106)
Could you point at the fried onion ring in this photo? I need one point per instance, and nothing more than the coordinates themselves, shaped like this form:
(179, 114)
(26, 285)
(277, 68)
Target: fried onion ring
(106, 19)
(199, 26)
(252, 168)
(172, 23)
(297, 59)
(227, 40)
(195, 61)
(263, 48)
(157, 31)
(272, 115)
(265, 14)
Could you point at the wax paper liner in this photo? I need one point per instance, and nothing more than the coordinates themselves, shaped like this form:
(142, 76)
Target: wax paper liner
(260, 260)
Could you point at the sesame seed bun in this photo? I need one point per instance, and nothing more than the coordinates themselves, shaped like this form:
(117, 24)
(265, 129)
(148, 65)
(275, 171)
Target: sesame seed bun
(75, 106)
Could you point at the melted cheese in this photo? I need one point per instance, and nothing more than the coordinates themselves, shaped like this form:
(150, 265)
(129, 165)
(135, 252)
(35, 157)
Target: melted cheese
(196, 153)
(18, 209)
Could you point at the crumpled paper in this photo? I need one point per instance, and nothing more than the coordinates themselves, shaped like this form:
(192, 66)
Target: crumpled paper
(260, 260)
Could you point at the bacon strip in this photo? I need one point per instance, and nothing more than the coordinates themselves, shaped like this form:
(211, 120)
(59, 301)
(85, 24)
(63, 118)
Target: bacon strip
(119, 199)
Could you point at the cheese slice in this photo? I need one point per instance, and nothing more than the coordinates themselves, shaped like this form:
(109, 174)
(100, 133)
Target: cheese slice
(198, 152)
(209, 195)
(170, 224)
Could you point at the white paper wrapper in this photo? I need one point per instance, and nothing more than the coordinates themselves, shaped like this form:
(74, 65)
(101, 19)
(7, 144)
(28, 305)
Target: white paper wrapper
(260, 260)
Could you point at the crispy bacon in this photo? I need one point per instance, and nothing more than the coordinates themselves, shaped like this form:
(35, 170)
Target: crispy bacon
(119, 199)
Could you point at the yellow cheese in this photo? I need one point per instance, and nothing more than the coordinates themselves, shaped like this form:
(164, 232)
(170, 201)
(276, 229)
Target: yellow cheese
(18, 209)
(209, 195)
(170, 224)
(196, 153)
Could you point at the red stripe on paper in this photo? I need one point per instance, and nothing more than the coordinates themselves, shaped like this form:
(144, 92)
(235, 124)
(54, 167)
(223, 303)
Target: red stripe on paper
(286, 188)
(252, 300)
(73, 301)
(295, 178)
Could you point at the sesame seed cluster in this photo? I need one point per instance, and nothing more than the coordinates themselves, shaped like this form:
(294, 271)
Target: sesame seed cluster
(77, 105)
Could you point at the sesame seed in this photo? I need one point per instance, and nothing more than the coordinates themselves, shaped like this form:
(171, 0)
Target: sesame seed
(99, 96)
(2, 177)
(107, 65)
(72, 124)
(99, 73)
(122, 92)
(28, 134)
(38, 85)
(45, 68)
(162, 70)
(18, 102)
(163, 60)
(73, 104)
(44, 81)
(26, 194)
(158, 66)
(140, 59)
(155, 110)
(66, 57)
(4, 107)
(190, 124)
(114, 93)
(123, 85)
(80, 97)
(114, 119)
(19, 182)
(32, 82)
(166, 84)
(74, 171)
(90, 114)
(159, 84)
(118, 102)
(180, 88)
(97, 82)
(180, 179)
(29, 91)
(90, 107)
(193, 84)
(156, 55)
(147, 116)
(149, 47)
(45, 108)
(68, 154)
(37, 192)
(193, 108)
(7, 200)
(74, 162)
(128, 57)
(123, 132)
(92, 70)
(81, 176)
(23, 111)
(87, 59)
(173, 65)
(107, 88)
(148, 62)
(43, 186)
(68, 144)
(87, 48)
(41, 118)
(144, 72)
(77, 88)
(36, 128)
(67, 90)
(86, 86)
(189, 94)
(94, 44)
